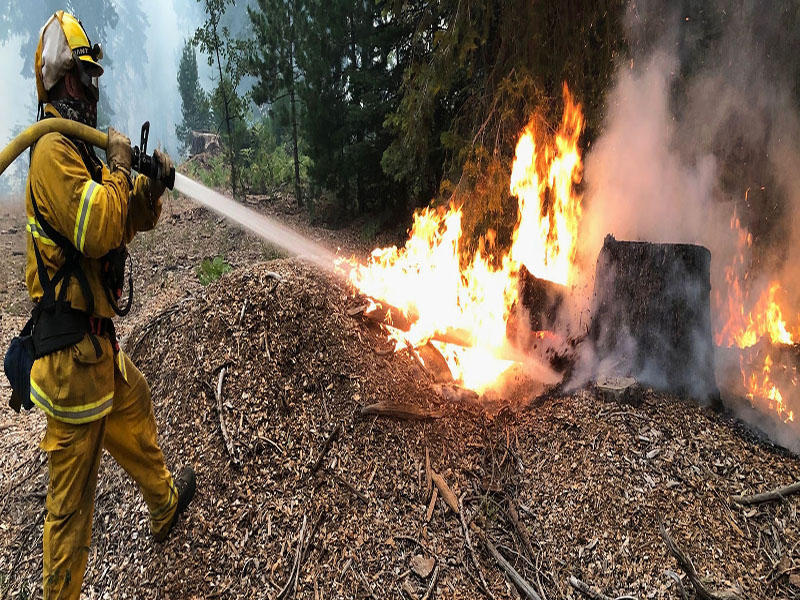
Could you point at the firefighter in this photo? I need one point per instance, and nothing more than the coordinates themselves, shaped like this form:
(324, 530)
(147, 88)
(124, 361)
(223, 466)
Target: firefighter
(81, 214)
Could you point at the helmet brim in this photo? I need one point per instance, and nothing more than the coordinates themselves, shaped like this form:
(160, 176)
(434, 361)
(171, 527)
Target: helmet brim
(92, 68)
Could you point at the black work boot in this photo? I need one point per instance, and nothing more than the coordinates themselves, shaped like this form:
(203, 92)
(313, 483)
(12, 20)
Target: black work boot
(185, 484)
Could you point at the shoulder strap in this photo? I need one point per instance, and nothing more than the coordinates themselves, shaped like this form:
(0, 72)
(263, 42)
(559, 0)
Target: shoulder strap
(70, 268)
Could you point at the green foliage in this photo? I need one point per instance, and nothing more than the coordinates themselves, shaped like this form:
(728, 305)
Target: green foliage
(215, 174)
(273, 60)
(210, 270)
(351, 73)
(195, 106)
(226, 52)
(479, 72)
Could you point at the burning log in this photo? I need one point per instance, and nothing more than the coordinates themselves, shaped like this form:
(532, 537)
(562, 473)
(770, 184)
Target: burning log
(652, 314)
(545, 347)
(761, 381)
(541, 299)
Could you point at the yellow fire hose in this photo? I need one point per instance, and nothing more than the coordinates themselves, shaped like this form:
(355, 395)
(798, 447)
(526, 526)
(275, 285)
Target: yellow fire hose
(64, 126)
(141, 162)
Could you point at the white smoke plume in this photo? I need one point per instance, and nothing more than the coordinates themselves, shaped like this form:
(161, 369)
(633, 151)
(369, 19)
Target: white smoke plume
(698, 125)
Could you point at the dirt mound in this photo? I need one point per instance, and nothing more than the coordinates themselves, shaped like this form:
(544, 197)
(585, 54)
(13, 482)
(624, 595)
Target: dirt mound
(567, 486)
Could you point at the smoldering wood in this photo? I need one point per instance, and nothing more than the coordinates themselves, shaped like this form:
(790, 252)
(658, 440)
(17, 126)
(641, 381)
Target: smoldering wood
(540, 299)
(651, 313)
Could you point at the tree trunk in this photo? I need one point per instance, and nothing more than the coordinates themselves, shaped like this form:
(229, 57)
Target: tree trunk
(297, 191)
(651, 316)
(225, 103)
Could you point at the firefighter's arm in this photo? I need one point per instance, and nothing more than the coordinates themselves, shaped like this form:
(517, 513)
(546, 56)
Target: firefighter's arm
(91, 215)
(144, 208)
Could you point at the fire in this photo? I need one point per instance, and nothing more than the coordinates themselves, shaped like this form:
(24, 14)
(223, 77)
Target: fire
(744, 329)
(445, 294)
(760, 386)
(546, 237)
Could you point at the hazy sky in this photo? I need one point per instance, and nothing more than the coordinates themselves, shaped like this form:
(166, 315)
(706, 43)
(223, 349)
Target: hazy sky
(155, 97)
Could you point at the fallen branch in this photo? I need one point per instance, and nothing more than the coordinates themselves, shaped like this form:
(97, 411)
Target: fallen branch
(525, 588)
(358, 493)
(776, 494)
(291, 583)
(483, 585)
(686, 565)
(223, 428)
(444, 491)
(326, 446)
(400, 411)
(586, 589)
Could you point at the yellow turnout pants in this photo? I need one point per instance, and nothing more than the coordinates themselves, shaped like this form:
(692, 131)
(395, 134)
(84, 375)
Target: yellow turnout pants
(128, 432)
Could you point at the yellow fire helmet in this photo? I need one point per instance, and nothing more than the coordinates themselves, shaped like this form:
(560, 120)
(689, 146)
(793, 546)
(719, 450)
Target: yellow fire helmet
(63, 45)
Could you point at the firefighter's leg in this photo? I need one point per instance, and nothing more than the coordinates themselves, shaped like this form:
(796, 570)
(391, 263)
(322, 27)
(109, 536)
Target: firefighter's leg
(131, 440)
(74, 453)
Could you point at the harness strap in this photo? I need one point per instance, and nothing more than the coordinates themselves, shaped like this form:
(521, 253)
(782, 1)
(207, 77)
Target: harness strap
(70, 268)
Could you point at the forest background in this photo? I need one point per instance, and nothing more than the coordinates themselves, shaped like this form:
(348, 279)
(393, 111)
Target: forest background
(366, 109)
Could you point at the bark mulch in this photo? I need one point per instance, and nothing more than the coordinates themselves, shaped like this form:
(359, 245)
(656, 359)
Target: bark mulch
(304, 496)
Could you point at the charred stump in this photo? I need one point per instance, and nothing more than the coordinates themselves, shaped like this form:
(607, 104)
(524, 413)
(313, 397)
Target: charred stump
(652, 315)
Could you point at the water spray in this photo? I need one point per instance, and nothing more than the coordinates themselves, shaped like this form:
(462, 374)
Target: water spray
(266, 228)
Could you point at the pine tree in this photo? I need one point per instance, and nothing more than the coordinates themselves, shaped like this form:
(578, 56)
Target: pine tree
(276, 24)
(195, 106)
(477, 73)
(226, 52)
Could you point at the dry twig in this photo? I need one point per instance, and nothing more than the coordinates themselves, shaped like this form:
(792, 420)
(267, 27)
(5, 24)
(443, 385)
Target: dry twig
(432, 505)
(483, 585)
(358, 493)
(525, 588)
(686, 565)
(776, 494)
(223, 428)
(326, 446)
(291, 583)
(432, 583)
(444, 491)
(586, 589)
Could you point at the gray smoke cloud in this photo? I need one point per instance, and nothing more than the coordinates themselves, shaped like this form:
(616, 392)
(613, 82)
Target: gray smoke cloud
(701, 121)
(142, 83)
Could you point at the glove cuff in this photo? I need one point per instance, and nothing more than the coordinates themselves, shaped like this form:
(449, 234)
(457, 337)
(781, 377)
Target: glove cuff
(116, 167)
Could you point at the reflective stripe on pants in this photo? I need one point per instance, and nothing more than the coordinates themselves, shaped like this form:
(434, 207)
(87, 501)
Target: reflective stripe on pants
(128, 432)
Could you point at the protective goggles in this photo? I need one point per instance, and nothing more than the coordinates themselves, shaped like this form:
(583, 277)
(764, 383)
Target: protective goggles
(89, 76)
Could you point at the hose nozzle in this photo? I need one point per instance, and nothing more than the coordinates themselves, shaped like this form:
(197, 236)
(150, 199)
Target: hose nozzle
(148, 164)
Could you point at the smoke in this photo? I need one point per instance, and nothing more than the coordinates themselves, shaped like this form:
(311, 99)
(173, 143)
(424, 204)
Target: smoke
(141, 83)
(702, 120)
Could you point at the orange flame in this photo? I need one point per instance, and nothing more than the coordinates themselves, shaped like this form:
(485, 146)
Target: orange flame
(425, 279)
(744, 328)
(546, 237)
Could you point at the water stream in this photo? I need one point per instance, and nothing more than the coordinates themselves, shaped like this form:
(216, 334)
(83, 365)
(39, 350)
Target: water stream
(263, 226)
